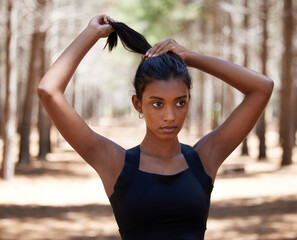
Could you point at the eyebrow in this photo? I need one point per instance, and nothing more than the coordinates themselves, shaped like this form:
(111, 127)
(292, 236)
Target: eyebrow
(154, 97)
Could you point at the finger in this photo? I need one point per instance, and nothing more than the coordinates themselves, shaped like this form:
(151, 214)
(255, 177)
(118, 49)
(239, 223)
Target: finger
(166, 49)
(106, 18)
(161, 48)
(101, 19)
(111, 20)
(156, 48)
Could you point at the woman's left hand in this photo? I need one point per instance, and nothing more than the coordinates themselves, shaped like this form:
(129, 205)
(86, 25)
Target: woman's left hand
(101, 23)
(165, 46)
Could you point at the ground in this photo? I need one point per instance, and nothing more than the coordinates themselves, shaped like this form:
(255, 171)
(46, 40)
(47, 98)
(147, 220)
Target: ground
(63, 198)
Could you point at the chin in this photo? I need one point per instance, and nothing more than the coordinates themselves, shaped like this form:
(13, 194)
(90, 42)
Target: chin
(159, 134)
(168, 136)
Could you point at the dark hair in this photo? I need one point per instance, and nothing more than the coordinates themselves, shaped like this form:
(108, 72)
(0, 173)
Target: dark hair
(163, 67)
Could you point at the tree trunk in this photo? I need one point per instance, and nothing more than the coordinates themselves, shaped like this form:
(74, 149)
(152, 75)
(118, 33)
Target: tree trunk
(286, 125)
(2, 86)
(200, 105)
(216, 40)
(35, 73)
(201, 83)
(44, 123)
(294, 106)
(261, 126)
(227, 91)
(295, 116)
(44, 127)
(9, 122)
(244, 149)
(3, 20)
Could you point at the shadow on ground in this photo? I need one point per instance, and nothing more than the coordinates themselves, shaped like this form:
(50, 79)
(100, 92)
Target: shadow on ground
(69, 169)
(260, 218)
(57, 212)
(91, 221)
(257, 218)
(250, 207)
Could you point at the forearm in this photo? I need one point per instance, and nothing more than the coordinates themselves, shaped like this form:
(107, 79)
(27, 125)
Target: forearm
(243, 79)
(60, 73)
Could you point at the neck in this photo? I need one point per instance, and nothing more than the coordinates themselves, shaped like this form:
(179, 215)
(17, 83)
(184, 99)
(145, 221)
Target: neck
(164, 148)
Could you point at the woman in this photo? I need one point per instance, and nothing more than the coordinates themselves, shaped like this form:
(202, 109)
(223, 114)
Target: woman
(161, 188)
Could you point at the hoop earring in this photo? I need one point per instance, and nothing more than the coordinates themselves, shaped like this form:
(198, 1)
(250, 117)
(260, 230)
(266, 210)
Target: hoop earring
(140, 115)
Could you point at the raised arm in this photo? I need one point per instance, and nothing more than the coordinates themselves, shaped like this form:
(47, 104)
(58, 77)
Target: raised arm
(215, 147)
(98, 151)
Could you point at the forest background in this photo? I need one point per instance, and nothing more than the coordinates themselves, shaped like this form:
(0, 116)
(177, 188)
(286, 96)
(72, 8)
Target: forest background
(260, 35)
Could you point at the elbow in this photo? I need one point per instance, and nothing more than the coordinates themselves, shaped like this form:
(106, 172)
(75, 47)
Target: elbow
(43, 93)
(265, 86)
(40, 92)
(269, 86)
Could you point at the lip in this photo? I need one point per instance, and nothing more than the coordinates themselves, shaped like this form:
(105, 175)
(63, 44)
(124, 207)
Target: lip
(168, 129)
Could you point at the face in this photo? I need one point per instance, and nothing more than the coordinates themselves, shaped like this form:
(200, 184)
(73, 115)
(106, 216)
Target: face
(165, 106)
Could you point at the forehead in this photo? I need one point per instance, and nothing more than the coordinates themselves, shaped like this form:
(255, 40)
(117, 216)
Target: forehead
(166, 88)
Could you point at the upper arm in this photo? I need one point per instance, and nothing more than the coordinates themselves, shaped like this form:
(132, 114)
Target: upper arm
(102, 154)
(216, 146)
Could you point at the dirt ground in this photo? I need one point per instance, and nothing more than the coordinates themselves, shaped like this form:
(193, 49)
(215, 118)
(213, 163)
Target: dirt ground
(63, 198)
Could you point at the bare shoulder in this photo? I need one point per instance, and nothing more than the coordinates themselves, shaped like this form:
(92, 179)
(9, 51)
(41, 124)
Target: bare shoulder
(206, 150)
(105, 156)
(108, 159)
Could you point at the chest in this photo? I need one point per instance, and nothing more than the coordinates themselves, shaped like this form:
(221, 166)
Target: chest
(161, 166)
(154, 199)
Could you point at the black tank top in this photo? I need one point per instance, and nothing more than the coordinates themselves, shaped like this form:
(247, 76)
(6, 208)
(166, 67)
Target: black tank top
(162, 207)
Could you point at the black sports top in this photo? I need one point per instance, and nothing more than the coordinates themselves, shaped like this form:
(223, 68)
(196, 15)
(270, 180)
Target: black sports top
(149, 206)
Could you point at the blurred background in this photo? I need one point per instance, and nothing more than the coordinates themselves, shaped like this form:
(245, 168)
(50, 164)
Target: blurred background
(48, 192)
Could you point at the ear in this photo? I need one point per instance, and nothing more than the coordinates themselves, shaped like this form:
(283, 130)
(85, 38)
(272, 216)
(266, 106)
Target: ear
(137, 103)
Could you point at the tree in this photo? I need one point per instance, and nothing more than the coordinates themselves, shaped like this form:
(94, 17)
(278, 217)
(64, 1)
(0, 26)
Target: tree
(286, 124)
(35, 73)
(227, 93)
(201, 81)
(294, 109)
(44, 127)
(2, 61)
(217, 40)
(44, 123)
(261, 126)
(9, 122)
(244, 149)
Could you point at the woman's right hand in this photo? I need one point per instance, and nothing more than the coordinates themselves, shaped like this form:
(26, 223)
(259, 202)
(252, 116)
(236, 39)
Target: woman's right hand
(165, 46)
(101, 24)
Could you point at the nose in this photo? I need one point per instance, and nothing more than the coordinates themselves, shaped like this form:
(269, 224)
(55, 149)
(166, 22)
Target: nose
(168, 114)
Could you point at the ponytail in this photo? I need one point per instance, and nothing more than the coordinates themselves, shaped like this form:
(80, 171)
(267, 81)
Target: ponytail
(163, 67)
(131, 40)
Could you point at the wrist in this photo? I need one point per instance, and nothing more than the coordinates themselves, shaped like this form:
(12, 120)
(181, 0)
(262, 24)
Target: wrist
(94, 30)
(187, 57)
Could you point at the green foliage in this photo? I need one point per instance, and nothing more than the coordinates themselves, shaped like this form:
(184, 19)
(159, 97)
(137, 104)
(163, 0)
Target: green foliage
(157, 20)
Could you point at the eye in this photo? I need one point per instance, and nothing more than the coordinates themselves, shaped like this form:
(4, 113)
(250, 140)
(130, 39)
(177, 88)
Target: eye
(181, 103)
(157, 104)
